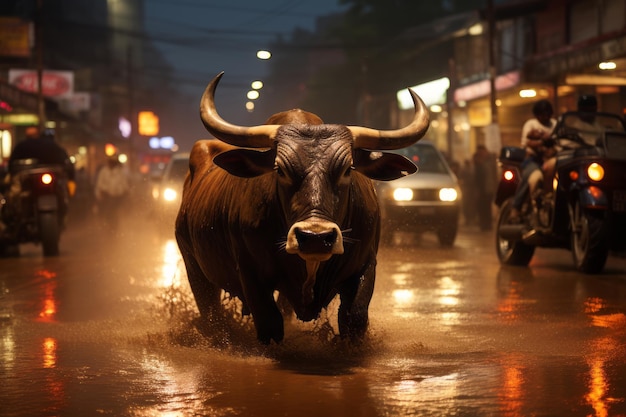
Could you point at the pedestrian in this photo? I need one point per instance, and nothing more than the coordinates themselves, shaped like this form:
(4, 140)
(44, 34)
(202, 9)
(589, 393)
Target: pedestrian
(111, 190)
(485, 177)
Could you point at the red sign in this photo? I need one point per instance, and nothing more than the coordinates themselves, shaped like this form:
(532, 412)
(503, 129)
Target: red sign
(56, 84)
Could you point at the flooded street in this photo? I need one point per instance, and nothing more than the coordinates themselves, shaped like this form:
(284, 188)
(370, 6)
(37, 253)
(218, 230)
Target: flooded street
(107, 328)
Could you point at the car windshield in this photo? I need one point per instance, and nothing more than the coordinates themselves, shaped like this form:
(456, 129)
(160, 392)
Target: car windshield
(426, 157)
(178, 170)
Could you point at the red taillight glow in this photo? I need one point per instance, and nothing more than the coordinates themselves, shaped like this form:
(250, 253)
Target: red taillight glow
(508, 175)
(46, 179)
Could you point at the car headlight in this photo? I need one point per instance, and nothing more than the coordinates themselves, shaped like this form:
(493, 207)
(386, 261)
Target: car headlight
(169, 194)
(448, 194)
(403, 194)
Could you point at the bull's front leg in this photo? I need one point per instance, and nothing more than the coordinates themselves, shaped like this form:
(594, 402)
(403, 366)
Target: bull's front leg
(267, 318)
(206, 294)
(356, 294)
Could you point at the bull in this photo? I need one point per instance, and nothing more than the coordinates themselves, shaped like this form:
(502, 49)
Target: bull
(288, 206)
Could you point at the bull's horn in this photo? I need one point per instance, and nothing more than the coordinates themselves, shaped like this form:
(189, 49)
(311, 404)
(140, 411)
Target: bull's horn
(260, 136)
(367, 138)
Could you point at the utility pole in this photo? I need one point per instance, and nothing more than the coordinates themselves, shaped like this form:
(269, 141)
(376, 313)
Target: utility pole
(41, 104)
(491, 22)
(493, 141)
(134, 125)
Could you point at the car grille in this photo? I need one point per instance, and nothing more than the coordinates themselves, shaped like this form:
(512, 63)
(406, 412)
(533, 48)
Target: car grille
(426, 194)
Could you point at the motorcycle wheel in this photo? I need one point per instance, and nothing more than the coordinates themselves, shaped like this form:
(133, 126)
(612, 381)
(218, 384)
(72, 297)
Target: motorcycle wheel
(511, 252)
(588, 239)
(50, 233)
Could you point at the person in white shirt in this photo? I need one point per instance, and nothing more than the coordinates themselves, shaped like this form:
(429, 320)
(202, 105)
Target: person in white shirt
(111, 189)
(534, 132)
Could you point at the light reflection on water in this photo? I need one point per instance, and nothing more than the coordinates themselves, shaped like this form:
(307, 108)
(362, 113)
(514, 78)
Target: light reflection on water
(170, 271)
(48, 301)
(602, 351)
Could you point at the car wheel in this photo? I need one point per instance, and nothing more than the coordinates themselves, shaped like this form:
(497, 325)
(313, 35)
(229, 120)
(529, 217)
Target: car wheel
(447, 234)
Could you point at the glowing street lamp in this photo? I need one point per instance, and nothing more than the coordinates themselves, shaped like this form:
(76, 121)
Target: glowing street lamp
(262, 54)
(257, 85)
(253, 95)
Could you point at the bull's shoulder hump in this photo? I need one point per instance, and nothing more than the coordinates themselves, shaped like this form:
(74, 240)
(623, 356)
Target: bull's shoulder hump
(204, 150)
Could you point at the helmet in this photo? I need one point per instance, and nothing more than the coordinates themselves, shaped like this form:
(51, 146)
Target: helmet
(543, 107)
(587, 102)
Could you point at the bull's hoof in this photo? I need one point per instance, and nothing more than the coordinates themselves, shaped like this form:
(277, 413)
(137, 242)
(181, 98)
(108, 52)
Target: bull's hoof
(276, 333)
(270, 328)
(353, 327)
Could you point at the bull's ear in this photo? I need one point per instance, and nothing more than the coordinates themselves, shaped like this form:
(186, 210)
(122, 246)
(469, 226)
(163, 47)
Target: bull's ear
(246, 163)
(382, 166)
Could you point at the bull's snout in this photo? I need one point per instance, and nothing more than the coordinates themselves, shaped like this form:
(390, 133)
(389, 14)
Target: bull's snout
(310, 242)
(314, 240)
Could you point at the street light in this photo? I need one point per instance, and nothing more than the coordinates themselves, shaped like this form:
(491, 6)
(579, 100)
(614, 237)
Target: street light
(257, 85)
(262, 54)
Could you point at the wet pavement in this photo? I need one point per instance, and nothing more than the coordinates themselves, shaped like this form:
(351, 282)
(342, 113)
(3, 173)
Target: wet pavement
(107, 328)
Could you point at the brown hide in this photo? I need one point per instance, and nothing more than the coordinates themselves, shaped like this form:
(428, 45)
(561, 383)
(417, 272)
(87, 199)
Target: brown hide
(290, 207)
(232, 233)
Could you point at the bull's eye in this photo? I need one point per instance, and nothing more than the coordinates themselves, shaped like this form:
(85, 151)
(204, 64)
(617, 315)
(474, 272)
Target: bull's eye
(347, 172)
(279, 171)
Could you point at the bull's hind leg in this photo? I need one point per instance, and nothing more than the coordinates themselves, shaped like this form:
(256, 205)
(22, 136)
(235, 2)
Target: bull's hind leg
(356, 294)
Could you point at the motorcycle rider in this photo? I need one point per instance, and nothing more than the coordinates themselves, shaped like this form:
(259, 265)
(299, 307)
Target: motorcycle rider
(534, 132)
(588, 130)
(44, 149)
(41, 150)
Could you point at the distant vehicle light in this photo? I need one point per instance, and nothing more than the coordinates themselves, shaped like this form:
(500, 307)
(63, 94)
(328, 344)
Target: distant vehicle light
(46, 179)
(169, 194)
(448, 194)
(595, 171)
(508, 175)
(403, 194)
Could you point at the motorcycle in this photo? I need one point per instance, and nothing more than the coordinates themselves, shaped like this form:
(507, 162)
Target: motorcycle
(33, 206)
(582, 207)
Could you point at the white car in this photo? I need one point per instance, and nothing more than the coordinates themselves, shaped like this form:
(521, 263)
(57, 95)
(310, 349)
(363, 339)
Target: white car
(428, 200)
(167, 191)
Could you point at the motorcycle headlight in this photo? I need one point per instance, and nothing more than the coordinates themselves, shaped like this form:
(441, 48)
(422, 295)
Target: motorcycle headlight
(403, 194)
(448, 194)
(169, 194)
(595, 171)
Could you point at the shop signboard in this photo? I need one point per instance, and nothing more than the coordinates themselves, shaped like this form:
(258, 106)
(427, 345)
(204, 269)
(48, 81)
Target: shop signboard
(15, 39)
(56, 84)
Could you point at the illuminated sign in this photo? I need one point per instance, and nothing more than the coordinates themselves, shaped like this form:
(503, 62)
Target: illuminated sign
(482, 88)
(15, 38)
(55, 84)
(432, 92)
(148, 123)
(166, 142)
(123, 124)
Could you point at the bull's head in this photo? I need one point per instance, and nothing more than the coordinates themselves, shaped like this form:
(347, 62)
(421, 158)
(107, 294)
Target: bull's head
(312, 162)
